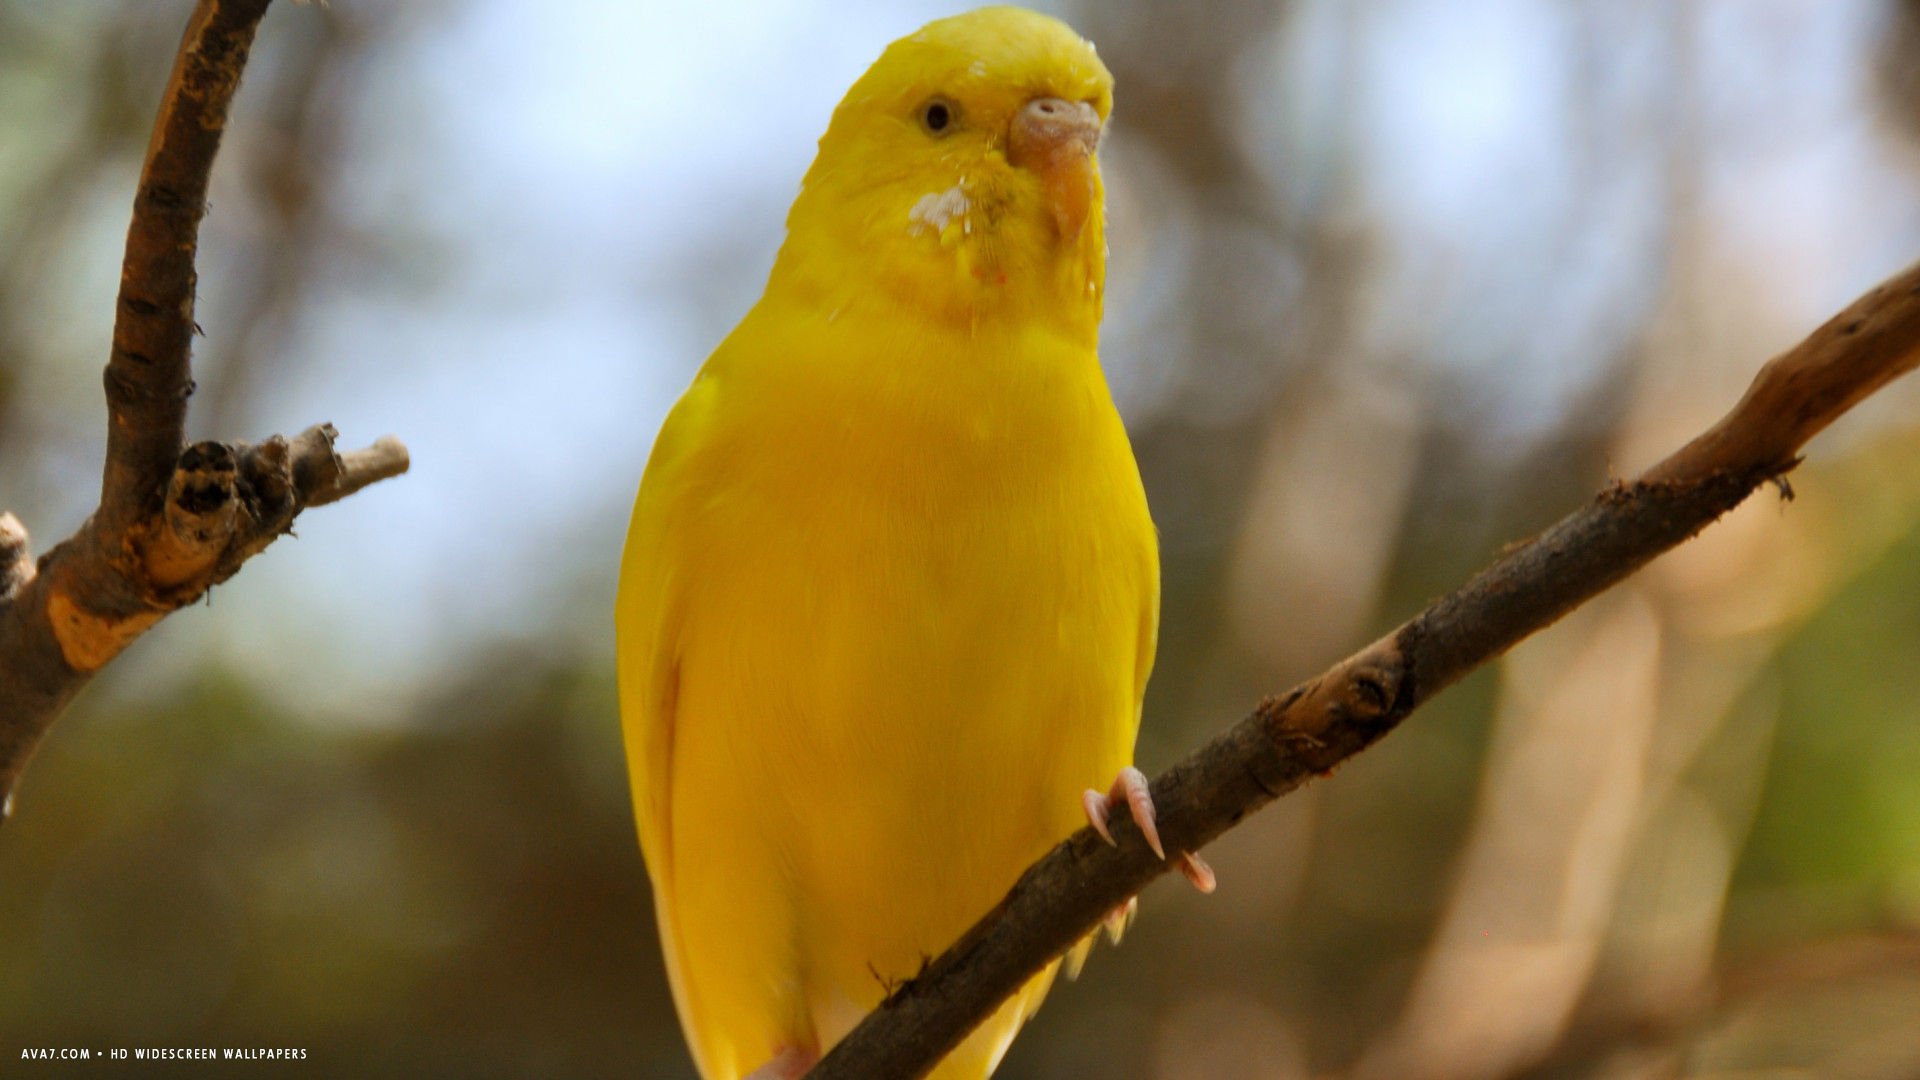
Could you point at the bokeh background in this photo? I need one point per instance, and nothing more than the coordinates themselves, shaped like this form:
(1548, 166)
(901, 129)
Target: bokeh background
(1395, 282)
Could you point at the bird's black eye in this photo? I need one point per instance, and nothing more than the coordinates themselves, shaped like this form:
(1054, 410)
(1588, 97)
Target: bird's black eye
(937, 116)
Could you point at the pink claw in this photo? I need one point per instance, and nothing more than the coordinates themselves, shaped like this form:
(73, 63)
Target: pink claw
(1131, 787)
(791, 1063)
(1197, 872)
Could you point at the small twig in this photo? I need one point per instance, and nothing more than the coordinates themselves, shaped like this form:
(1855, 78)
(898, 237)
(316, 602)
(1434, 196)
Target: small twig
(173, 520)
(385, 459)
(1291, 739)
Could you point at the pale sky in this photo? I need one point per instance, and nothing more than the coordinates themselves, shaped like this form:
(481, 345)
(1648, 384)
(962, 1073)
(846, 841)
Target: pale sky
(591, 200)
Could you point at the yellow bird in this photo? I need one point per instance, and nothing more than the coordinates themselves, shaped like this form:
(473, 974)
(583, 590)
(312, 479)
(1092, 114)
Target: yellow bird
(890, 590)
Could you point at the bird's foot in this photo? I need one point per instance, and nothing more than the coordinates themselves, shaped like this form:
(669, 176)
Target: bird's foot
(791, 1063)
(1130, 788)
(1120, 918)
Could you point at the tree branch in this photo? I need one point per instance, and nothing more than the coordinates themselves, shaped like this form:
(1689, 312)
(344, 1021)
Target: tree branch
(1291, 739)
(148, 375)
(173, 520)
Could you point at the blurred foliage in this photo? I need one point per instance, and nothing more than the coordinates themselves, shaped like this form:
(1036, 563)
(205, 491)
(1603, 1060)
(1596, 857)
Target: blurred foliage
(457, 900)
(1393, 284)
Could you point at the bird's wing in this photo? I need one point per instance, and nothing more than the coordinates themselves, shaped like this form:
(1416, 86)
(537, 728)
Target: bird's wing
(1149, 639)
(646, 619)
(647, 632)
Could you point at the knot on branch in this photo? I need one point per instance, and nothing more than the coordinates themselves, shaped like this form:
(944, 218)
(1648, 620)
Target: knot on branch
(16, 559)
(226, 502)
(197, 518)
(1344, 710)
(1363, 692)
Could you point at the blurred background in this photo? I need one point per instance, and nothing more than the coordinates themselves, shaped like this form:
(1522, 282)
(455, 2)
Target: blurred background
(1395, 282)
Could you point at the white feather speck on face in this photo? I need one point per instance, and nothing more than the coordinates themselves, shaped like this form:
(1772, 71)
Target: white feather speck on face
(936, 210)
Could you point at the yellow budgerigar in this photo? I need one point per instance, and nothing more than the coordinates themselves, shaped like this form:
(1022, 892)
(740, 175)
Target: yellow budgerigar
(890, 592)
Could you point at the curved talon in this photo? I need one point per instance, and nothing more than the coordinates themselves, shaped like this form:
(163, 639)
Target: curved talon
(1096, 807)
(1132, 783)
(1131, 787)
(791, 1063)
(1197, 872)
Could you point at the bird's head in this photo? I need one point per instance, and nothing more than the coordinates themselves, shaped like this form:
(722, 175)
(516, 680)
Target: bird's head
(961, 175)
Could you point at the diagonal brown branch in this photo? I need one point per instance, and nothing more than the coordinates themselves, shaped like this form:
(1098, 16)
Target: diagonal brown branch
(173, 520)
(1289, 740)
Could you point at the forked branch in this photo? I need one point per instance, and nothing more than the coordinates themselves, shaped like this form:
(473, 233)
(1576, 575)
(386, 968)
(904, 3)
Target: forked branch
(173, 520)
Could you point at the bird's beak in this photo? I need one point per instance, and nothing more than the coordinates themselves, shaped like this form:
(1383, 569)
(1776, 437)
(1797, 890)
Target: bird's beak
(1056, 140)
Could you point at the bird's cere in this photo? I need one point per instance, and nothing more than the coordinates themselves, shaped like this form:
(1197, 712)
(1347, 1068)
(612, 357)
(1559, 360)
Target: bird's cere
(1057, 140)
(937, 209)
